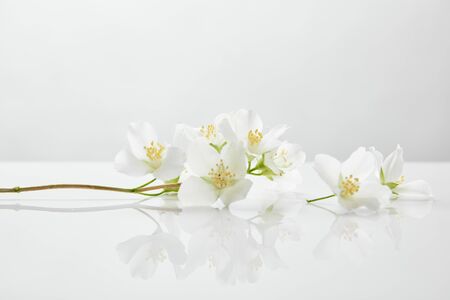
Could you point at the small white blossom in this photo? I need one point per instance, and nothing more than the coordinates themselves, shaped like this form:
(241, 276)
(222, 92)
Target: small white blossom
(353, 182)
(214, 175)
(146, 154)
(391, 174)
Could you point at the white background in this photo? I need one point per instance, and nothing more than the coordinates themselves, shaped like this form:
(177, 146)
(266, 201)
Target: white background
(341, 73)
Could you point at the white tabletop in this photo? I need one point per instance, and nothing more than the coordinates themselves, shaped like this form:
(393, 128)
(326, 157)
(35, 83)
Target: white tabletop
(403, 253)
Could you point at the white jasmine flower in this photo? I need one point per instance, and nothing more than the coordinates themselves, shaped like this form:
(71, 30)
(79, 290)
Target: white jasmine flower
(391, 175)
(210, 133)
(285, 158)
(146, 154)
(145, 252)
(214, 175)
(248, 128)
(353, 182)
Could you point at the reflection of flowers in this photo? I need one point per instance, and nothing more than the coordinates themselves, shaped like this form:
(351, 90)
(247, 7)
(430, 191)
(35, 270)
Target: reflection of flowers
(222, 240)
(225, 242)
(349, 236)
(144, 252)
(353, 236)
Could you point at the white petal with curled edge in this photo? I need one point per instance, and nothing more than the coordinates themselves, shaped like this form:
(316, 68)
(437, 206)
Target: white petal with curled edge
(328, 168)
(140, 134)
(184, 135)
(226, 129)
(276, 132)
(236, 192)
(361, 164)
(246, 120)
(201, 157)
(393, 165)
(125, 162)
(197, 192)
(172, 165)
(414, 190)
(234, 157)
(378, 157)
(271, 140)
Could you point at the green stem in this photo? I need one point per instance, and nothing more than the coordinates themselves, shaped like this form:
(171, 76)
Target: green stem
(144, 185)
(321, 198)
(172, 187)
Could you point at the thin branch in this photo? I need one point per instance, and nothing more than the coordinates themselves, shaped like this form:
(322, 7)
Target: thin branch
(321, 198)
(170, 186)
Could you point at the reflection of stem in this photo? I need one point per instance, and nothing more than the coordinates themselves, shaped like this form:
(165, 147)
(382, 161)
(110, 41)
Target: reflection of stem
(143, 188)
(84, 209)
(149, 216)
(325, 209)
(321, 198)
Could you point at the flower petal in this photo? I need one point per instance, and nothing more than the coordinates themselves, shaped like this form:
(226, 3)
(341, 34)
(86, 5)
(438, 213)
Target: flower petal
(184, 135)
(378, 157)
(328, 168)
(237, 191)
(234, 157)
(246, 120)
(393, 165)
(226, 129)
(361, 164)
(197, 192)
(414, 190)
(172, 165)
(276, 132)
(201, 157)
(140, 134)
(271, 140)
(371, 195)
(126, 162)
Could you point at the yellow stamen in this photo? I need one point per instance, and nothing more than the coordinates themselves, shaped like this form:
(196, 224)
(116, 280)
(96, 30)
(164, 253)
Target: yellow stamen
(349, 186)
(282, 155)
(221, 176)
(400, 180)
(209, 131)
(254, 137)
(155, 151)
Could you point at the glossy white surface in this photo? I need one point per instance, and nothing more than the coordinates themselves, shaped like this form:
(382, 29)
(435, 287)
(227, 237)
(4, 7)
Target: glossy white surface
(397, 254)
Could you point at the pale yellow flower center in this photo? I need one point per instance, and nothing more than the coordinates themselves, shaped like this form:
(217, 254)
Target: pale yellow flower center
(400, 180)
(282, 157)
(221, 176)
(209, 131)
(349, 186)
(254, 137)
(155, 151)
